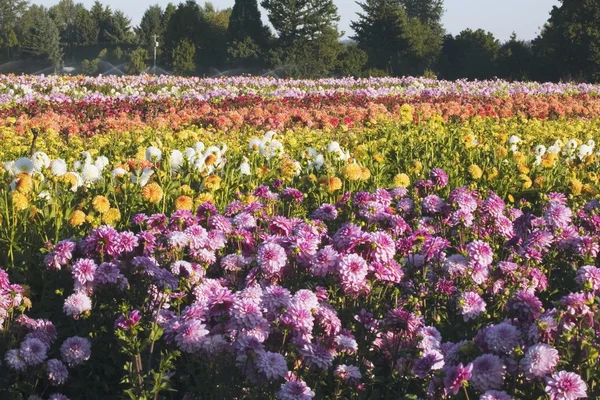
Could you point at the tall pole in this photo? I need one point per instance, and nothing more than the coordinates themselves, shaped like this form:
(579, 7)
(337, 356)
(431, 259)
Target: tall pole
(155, 37)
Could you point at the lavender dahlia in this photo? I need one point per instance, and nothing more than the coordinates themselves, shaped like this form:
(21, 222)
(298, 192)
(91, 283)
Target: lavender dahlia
(502, 338)
(77, 304)
(348, 373)
(539, 361)
(488, 372)
(589, 277)
(190, 336)
(295, 390)
(495, 395)
(272, 365)
(57, 372)
(431, 360)
(33, 351)
(76, 350)
(439, 177)
(15, 361)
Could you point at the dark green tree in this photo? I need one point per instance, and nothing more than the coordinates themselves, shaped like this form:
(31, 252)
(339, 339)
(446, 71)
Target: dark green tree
(166, 17)
(11, 12)
(41, 39)
(471, 54)
(183, 57)
(429, 12)
(515, 59)
(287, 18)
(212, 43)
(308, 37)
(248, 39)
(245, 22)
(101, 16)
(183, 24)
(400, 36)
(245, 54)
(569, 44)
(352, 61)
(118, 30)
(85, 29)
(150, 25)
(63, 14)
(137, 61)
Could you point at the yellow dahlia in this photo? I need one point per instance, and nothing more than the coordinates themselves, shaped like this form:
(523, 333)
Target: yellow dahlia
(365, 174)
(24, 183)
(19, 200)
(77, 218)
(475, 171)
(186, 189)
(100, 204)
(212, 183)
(401, 180)
(111, 216)
(184, 203)
(152, 193)
(331, 183)
(352, 172)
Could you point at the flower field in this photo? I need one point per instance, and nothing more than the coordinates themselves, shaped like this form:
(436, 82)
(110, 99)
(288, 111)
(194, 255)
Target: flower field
(252, 238)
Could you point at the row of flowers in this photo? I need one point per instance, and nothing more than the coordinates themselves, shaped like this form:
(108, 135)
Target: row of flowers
(63, 89)
(427, 291)
(89, 117)
(45, 198)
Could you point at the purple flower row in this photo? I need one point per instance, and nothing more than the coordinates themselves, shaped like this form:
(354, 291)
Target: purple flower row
(408, 287)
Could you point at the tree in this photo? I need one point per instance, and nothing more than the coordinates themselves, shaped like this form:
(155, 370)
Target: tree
(166, 17)
(429, 12)
(86, 31)
(11, 12)
(245, 54)
(183, 25)
(400, 36)
(471, 54)
(245, 23)
(101, 16)
(515, 59)
(248, 39)
(212, 43)
(150, 25)
(308, 35)
(569, 45)
(118, 28)
(137, 61)
(41, 40)
(352, 61)
(183, 57)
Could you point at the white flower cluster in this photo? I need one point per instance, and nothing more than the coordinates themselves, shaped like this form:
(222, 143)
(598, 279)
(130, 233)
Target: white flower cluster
(335, 149)
(86, 170)
(268, 146)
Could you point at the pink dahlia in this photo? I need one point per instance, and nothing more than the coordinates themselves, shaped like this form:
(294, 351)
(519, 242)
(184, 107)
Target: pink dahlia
(471, 305)
(271, 258)
(565, 385)
(455, 378)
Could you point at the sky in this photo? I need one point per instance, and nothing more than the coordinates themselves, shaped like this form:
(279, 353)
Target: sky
(501, 17)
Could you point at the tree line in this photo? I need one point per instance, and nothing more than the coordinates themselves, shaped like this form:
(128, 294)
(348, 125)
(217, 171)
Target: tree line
(390, 37)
